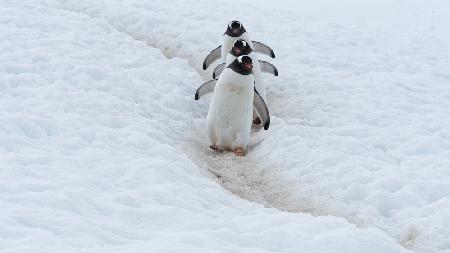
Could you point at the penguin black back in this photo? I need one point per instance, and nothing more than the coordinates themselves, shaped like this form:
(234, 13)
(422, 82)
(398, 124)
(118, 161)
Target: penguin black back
(242, 65)
(235, 29)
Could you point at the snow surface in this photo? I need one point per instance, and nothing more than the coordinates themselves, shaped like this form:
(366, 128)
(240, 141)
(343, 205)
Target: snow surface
(103, 148)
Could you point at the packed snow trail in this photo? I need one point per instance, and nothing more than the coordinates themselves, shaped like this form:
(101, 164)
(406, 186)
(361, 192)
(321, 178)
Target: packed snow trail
(360, 122)
(91, 156)
(91, 122)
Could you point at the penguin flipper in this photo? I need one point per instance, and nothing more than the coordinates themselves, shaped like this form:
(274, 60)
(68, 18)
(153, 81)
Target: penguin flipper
(205, 88)
(264, 49)
(218, 70)
(214, 55)
(268, 67)
(261, 109)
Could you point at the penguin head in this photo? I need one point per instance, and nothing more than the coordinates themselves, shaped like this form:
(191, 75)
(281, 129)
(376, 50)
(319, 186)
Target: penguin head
(235, 29)
(242, 65)
(240, 47)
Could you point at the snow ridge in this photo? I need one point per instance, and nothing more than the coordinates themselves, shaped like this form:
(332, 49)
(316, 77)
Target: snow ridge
(358, 131)
(247, 178)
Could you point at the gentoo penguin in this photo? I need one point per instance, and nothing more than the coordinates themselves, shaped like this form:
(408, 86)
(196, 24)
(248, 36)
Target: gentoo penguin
(242, 47)
(235, 30)
(230, 112)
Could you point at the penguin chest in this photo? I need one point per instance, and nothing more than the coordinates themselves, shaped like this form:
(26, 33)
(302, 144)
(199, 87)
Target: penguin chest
(236, 90)
(233, 99)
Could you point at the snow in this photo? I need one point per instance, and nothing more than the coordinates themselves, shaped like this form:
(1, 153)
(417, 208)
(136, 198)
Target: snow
(103, 148)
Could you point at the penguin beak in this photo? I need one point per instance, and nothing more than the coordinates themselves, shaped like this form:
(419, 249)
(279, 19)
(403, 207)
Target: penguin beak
(248, 66)
(235, 30)
(237, 50)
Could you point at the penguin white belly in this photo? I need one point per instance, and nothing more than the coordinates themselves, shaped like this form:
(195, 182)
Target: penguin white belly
(231, 111)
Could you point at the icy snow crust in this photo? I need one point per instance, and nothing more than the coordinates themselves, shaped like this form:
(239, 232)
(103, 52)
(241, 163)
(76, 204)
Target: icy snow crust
(103, 148)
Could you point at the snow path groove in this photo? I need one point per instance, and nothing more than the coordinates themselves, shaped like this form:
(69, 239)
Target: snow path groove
(246, 177)
(171, 51)
(249, 178)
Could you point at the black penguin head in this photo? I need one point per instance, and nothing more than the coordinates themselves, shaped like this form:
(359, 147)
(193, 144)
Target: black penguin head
(235, 29)
(240, 47)
(242, 65)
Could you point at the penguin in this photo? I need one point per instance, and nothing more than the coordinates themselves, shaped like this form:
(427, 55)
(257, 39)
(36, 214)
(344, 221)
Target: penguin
(230, 113)
(242, 47)
(235, 30)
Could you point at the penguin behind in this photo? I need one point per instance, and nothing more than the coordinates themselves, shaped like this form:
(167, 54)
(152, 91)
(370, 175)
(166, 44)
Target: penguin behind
(235, 30)
(231, 110)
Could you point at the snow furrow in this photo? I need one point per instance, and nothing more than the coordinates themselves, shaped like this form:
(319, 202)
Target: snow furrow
(319, 113)
(247, 178)
(353, 96)
(91, 124)
(102, 146)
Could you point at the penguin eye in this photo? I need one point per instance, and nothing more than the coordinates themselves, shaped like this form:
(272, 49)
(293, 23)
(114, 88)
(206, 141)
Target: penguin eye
(240, 59)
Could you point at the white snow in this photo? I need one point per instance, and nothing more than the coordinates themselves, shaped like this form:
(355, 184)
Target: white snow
(103, 148)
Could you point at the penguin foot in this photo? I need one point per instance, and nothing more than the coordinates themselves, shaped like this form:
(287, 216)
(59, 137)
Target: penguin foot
(239, 152)
(257, 121)
(216, 148)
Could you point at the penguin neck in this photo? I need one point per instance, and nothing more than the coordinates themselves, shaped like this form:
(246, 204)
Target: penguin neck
(234, 79)
(229, 40)
(230, 33)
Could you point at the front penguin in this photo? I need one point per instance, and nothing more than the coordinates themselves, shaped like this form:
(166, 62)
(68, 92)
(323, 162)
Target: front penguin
(231, 110)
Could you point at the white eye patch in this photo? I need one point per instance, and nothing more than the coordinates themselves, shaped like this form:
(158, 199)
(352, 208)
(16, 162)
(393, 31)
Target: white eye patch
(240, 58)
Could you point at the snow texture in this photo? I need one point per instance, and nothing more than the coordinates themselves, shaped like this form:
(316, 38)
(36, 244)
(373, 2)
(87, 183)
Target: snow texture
(103, 148)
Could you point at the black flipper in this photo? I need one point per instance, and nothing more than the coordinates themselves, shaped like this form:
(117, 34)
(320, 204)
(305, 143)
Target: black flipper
(268, 67)
(262, 48)
(214, 55)
(261, 109)
(205, 88)
(218, 70)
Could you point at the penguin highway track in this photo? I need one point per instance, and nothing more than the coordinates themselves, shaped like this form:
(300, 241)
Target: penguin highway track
(246, 177)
